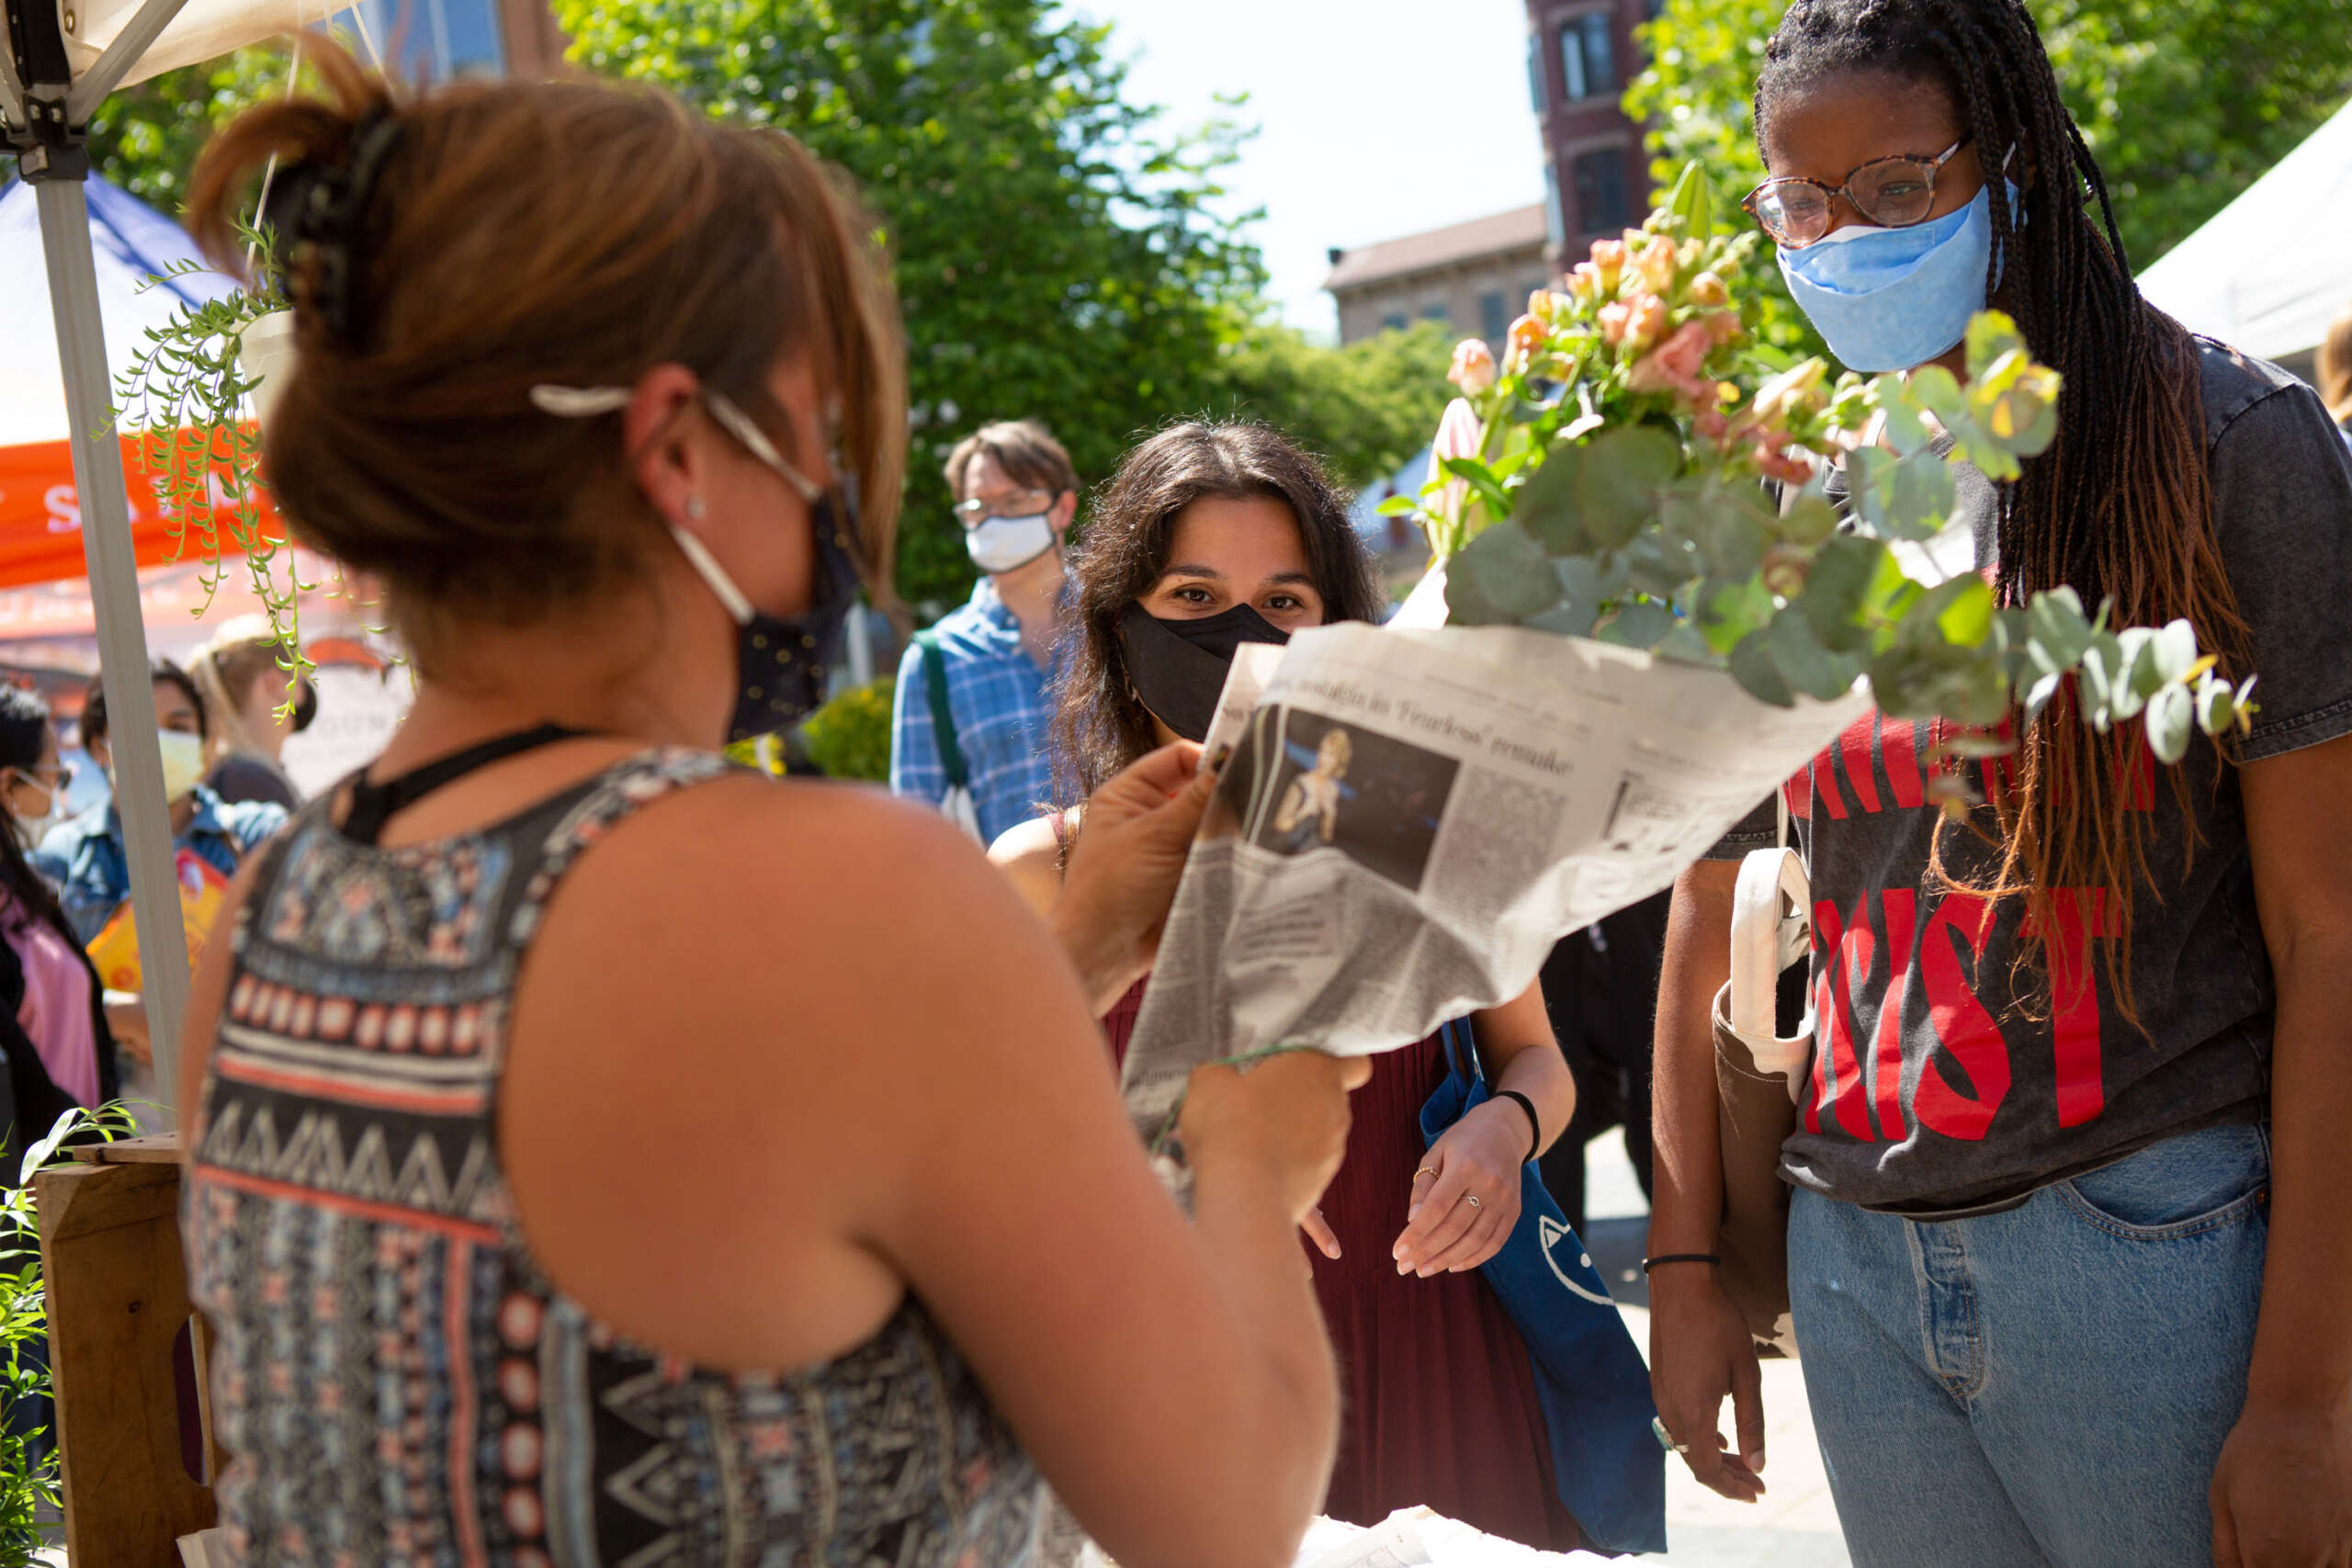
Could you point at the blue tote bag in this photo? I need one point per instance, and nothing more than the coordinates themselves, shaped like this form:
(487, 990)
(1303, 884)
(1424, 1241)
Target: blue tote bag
(1606, 1461)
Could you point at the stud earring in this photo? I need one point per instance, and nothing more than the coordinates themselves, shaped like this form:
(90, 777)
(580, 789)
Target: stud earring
(695, 509)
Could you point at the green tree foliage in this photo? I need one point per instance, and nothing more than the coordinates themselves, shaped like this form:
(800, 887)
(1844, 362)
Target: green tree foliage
(1056, 248)
(145, 138)
(2184, 102)
(1058, 251)
(1366, 408)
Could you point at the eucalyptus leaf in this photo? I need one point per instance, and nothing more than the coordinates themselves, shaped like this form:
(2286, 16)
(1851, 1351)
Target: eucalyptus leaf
(1505, 575)
(2171, 715)
(1641, 625)
(1683, 644)
(2214, 707)
(1758, 676)
(1809, 520)
(1906, 431)
(1602, 492)
(1570, 617)
(1805, 664)
(2054, 621)
(1731, 610)
(1931, 387)
(1964, 614)
(1835, 589)
(2175, 648)
(1920, 496)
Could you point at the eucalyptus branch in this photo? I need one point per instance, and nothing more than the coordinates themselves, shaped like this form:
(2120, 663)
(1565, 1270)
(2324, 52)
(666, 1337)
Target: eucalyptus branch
(1609, 478)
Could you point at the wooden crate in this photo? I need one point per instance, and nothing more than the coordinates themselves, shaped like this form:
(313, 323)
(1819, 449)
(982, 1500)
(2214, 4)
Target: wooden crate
(117, 1303)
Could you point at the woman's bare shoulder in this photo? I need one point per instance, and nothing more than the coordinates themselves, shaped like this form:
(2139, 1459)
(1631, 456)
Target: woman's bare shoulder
(1031, 856)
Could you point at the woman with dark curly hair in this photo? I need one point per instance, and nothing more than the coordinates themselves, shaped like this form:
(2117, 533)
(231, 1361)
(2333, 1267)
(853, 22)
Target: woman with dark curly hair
(1211, 536)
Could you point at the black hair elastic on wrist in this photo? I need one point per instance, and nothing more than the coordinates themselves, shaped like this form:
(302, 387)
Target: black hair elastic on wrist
(1650, 1263)
(1534, 1126)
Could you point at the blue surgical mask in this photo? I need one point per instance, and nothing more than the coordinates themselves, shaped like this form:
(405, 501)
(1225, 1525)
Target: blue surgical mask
(1892, 298)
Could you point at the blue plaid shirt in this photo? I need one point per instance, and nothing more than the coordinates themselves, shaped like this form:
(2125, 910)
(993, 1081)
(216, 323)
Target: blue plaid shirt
(996, 696)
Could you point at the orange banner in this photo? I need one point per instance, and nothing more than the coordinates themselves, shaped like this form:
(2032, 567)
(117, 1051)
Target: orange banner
(41, 515)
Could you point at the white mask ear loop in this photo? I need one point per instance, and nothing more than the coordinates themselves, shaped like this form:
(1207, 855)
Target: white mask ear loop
(590, 402)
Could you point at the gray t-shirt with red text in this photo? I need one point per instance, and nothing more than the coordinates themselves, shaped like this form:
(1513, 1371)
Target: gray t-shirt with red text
(1945, 1078)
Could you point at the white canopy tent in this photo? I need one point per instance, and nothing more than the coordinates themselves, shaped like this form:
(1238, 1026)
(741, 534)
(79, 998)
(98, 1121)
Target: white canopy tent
(53, 75)
(2270, 272)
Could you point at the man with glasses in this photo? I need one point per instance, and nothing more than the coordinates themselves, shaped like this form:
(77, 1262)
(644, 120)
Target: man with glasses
(971, 715)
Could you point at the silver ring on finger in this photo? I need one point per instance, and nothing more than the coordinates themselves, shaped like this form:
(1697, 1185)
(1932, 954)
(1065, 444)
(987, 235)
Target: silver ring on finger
(1472, 1198)
(1666, 1439)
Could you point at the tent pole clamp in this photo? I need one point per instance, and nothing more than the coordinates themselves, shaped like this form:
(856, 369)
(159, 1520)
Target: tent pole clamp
(49, 138)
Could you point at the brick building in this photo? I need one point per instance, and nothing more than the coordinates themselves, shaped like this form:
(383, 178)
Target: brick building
(1474, 276)
(1581, 54)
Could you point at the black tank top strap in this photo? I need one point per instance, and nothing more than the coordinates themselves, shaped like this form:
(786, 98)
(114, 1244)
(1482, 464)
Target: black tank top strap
(374, 804)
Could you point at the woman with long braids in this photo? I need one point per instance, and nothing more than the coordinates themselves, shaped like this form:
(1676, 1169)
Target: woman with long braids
(2067, 1244)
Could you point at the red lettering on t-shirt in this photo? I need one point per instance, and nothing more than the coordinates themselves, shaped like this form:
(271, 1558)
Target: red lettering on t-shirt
(1961, 1024)
(2074, 997)
(1899, 744)
(1848, 968)
(1900, 910)
(1824, 786)
(1854, 747)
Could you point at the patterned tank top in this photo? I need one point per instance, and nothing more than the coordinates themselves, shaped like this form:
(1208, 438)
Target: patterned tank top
(396, 1380)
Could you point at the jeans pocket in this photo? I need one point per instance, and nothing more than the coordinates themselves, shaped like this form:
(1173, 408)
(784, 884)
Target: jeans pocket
(2184, 1186)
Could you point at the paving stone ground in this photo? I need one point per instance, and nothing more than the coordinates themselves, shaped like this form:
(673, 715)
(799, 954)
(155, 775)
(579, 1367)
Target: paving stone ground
(1794, 1526)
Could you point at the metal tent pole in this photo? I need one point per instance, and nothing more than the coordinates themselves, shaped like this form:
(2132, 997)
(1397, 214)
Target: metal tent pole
(47, 113)
(122, 637)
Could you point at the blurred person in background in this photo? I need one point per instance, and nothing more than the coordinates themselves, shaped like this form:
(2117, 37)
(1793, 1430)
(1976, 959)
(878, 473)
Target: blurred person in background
(53, 1021)
(1211, 536)
(1601, 990)
(992, 657)
(2334, 371)
(85, 860)
(754, 1188)
(242, 676)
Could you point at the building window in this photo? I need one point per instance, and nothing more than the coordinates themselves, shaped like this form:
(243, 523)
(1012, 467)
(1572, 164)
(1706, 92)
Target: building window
(1535, 72)
(1395, 321)
(1601, 204)
(1556, 223)
(1494, 315)
(1588, 62)
(1436, 311)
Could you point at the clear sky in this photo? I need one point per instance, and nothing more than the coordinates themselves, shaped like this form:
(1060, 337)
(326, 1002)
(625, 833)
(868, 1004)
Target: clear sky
(1378, 117)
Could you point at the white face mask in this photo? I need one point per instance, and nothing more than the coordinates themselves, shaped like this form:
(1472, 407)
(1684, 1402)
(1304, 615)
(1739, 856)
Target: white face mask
(183, 761)
(31, 830)
(1008, 544)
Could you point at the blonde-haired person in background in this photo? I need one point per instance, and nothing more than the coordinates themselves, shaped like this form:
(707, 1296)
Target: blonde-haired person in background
(731, 1169)
(2334, 372)
(243, 676)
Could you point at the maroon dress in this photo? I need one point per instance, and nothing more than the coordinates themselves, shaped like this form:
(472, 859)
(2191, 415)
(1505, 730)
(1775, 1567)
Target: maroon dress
(1438, 1403)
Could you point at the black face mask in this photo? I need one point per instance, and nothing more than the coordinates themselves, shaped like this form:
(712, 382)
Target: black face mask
(1178, 668)
(781, 660)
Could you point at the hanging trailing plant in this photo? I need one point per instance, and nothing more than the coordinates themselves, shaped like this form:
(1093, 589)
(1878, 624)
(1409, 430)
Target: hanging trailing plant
(1608, 479)
(189, 396)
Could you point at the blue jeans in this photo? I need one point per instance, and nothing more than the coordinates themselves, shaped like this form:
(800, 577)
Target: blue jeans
(2043, 1388)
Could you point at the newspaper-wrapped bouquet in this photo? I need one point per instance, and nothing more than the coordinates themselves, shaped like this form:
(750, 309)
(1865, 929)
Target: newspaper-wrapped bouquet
(1627, 641)
(1607, 480)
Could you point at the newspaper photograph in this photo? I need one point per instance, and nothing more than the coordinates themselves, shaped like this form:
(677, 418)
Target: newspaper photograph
(1408, 818)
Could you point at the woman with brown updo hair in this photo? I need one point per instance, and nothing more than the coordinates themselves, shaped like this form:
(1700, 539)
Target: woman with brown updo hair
(605, 1155)
(1208, 536)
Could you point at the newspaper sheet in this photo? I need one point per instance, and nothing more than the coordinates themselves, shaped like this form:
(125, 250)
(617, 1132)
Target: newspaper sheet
(1409, 818)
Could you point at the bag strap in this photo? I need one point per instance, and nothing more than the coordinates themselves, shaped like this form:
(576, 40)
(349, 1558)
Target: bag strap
(942, 719)
(1454, 1035)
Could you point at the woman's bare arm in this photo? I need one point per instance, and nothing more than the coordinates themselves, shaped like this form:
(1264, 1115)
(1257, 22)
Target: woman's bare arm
(776, 1063)
(1699, 1350)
